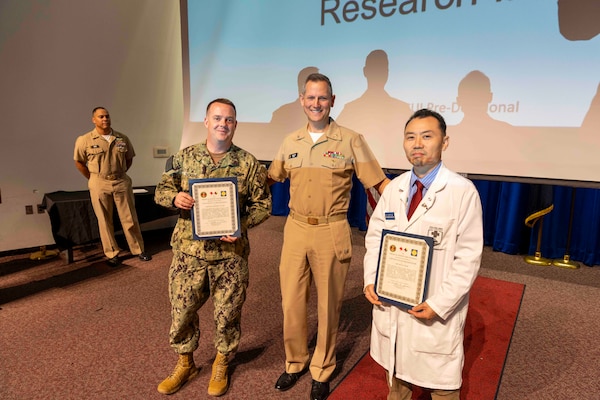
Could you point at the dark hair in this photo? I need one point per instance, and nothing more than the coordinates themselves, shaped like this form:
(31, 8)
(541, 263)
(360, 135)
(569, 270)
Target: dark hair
(424, 113)
(318, 77)
(98, 108)
(222, 101)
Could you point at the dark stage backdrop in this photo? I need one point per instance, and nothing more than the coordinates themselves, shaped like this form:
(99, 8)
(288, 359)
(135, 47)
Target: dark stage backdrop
(517, 81)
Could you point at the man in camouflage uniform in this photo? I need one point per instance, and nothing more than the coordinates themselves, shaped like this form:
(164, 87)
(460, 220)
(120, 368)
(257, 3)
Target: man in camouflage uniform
(216, 268)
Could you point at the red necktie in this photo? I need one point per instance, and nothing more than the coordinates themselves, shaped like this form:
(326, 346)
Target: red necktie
(415, 200)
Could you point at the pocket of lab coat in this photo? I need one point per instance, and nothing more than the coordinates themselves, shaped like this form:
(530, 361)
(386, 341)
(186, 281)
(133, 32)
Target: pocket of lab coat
(439, 230)
(381, 320)
(435, 337)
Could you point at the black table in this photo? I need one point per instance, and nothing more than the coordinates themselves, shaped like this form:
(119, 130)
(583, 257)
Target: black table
(74, 222)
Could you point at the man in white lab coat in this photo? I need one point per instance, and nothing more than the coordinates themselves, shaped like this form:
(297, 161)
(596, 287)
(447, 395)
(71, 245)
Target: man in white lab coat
(423, 345)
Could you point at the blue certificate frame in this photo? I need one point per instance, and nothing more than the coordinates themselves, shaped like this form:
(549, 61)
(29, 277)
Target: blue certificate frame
(403, 268)
(216, 211)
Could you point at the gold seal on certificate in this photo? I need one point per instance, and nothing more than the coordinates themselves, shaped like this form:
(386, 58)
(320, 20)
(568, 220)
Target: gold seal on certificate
(403, 268)
(215, 212)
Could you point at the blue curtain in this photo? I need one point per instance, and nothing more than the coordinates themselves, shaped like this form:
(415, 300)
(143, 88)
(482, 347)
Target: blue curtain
(585, 231)
(281, 197)
(504, 212)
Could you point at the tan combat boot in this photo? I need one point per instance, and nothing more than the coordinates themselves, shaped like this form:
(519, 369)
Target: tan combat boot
(219, 382)
(184, 371)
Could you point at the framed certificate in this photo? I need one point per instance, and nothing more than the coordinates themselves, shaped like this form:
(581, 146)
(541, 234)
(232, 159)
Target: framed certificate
(216, 212)
(403, 268)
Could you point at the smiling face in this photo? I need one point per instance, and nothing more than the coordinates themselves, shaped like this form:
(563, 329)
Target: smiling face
(424, 144)
(101, 119)
(220, 122)
(317, 101)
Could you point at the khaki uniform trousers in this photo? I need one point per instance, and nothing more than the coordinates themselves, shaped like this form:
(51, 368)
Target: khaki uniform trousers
(308, 253)
(401, 390)
(105, 195)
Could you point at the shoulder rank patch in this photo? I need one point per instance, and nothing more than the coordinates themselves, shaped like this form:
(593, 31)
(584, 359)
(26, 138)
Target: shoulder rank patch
(169, 164)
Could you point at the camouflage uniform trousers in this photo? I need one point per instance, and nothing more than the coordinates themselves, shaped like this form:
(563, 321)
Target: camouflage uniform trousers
(191, 282)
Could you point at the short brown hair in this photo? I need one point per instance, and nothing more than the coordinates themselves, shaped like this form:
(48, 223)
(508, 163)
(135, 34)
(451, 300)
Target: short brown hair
(318, 77)
(222, 101)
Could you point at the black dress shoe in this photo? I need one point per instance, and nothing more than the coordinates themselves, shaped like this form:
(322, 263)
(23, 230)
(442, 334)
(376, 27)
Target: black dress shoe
(319, 390)
(288, 380)
(114, 262)
(145, 256)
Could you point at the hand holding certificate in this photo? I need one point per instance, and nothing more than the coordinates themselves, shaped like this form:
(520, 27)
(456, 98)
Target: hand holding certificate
(216, 212)
(403, 268)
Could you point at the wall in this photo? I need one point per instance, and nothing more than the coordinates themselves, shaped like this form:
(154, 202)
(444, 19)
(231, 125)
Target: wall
(60, 59)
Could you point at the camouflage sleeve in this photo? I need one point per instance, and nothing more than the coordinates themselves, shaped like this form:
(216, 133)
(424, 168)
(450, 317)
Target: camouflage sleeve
(170, 183)
(259, 196)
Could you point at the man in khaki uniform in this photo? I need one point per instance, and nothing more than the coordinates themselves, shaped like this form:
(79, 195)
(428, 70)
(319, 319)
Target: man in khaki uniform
(319, 160)
(103, 156)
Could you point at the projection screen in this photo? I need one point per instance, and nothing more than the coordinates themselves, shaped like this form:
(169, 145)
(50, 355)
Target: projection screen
(517, 81)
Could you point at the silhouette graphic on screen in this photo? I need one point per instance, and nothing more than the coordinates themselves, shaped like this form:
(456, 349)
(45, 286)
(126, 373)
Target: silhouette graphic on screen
(476, 136)
(377, 115)
(590, 127)
(290, 116)
(474, 97)
(579, 19)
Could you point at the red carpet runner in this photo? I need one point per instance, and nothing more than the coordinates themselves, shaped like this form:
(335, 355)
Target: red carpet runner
(493, 311)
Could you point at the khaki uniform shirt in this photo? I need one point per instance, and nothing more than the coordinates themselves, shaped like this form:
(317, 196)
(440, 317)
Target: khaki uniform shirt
(321, 173)
(109, 160)
(254, 199)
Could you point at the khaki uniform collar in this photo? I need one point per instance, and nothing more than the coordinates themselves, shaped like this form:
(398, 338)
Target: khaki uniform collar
(332, 132)
(96, 134)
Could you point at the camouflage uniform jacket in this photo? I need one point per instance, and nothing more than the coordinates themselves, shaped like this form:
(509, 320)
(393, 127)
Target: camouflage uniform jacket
(194, 162)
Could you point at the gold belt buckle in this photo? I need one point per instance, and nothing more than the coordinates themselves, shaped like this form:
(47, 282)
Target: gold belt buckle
(312, 220)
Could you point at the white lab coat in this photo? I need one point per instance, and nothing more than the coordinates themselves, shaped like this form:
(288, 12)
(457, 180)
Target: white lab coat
(429, 354)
